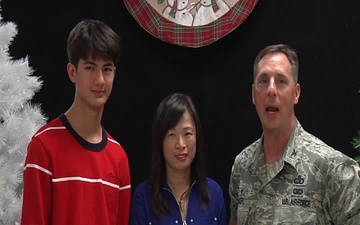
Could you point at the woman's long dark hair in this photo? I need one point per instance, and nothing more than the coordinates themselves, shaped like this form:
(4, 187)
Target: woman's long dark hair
(168, 114)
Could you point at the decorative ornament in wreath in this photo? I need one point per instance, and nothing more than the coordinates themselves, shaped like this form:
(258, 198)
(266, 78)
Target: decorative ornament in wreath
(190, 23)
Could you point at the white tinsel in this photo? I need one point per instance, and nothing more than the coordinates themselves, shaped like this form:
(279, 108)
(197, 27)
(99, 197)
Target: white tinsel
(19, 119)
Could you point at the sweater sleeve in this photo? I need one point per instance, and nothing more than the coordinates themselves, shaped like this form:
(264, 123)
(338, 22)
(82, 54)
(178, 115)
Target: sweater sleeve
(125, 193)
(37, 190)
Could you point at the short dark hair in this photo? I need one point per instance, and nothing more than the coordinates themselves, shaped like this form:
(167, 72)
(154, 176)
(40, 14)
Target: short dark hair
(288, 51)
(92, 39)
(167, 115)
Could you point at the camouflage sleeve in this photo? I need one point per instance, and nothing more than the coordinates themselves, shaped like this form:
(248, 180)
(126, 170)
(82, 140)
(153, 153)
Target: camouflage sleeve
(233, 189)
(343, 193)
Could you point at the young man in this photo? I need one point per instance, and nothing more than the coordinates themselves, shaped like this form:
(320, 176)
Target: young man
(289, 176)
(75, 173)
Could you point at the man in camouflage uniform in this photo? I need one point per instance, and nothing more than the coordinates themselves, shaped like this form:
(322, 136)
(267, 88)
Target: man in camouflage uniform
(289, 176)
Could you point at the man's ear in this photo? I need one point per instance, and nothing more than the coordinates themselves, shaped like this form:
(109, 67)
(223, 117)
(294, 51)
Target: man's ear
(71, 70)
(252, 93)
(297, 93)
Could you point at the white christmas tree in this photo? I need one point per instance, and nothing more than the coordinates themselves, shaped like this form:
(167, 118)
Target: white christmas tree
(19, 120)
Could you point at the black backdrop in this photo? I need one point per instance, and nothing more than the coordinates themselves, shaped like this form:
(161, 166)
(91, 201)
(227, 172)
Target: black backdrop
(218, 76)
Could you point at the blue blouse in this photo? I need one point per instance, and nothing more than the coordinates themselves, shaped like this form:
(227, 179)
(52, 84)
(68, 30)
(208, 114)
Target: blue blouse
(215, 214)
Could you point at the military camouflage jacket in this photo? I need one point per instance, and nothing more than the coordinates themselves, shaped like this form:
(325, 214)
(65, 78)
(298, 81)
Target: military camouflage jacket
(311, 183)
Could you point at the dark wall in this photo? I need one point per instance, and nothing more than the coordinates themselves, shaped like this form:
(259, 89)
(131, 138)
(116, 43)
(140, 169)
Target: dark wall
(219, 76)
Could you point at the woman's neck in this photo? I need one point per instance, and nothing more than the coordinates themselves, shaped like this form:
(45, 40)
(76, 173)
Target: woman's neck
(179, 182)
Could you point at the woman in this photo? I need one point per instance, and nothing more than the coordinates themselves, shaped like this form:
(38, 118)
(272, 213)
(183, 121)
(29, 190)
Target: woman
(178, 191)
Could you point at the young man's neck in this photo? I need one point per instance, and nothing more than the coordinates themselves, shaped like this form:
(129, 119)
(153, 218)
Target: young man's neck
(86, 122)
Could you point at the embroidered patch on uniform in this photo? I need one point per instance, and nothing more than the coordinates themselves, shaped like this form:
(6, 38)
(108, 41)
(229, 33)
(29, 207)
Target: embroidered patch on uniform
(297, 195)
(299, 184)
(297, 202)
